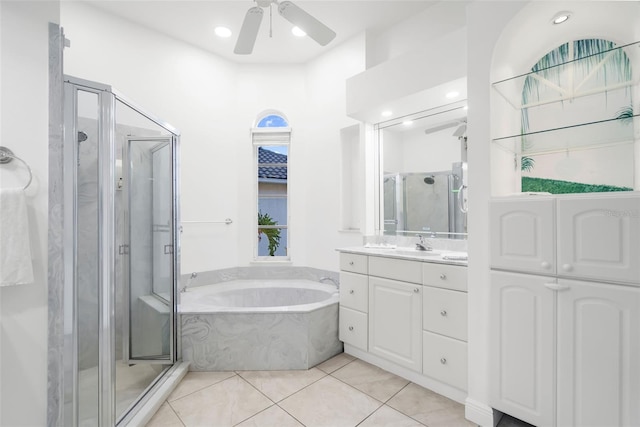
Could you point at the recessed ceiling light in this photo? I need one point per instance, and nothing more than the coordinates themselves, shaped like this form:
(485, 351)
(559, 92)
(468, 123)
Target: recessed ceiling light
(298, 32)
(223, 32)
(407, 122)
(452, 94)
(561, 17)
(386, 113)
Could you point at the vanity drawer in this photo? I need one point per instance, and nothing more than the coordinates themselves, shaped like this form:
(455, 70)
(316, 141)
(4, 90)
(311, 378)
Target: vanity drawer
(444, 359)
(353, 328)
(396, 269)
(444, 276)
(445, 312)
(354, 291)
(353, 262)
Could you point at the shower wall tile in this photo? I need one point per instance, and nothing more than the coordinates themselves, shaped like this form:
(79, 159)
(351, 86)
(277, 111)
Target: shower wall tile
(55, 242)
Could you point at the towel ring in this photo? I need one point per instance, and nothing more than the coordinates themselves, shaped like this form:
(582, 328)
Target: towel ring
(7, 156)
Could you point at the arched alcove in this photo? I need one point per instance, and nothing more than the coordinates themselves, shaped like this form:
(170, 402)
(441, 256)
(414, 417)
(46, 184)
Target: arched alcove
(531, 35)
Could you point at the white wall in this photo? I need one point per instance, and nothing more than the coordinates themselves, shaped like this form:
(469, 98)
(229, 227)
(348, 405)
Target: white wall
(24, 106)
(485, 21)
(414, 33)
(214, 103)
(434, 63)
(186, 87)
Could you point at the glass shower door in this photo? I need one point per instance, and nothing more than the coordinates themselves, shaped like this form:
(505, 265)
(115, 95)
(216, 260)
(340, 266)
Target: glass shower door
(121, 261)
(149, 232)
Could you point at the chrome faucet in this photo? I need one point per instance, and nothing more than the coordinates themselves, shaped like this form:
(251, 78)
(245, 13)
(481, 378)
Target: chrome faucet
(193, 276)
(331, 279)
(421, 245)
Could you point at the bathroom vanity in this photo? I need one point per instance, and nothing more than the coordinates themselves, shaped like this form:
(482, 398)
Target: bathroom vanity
(406, 312)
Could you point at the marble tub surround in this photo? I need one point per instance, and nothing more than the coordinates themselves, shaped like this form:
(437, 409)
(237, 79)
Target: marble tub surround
(343, 391)
(256, 272)
(275, 340)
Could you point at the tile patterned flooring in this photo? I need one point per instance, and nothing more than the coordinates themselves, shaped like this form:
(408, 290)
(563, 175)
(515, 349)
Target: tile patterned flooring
(343, 391)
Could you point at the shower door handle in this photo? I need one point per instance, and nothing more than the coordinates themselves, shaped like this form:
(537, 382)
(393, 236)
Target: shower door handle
(168, 249)
(462, 202)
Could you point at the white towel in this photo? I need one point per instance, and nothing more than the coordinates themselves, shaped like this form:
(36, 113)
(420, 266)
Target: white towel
(15, 251)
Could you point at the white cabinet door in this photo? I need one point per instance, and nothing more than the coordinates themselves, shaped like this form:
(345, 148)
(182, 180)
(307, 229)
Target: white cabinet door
(395, 320)
(522, 347)
(598, 355)
(523, 234)
(598, 237)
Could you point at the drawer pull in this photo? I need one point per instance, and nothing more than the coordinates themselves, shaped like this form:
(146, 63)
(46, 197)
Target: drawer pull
(416, 290)
(350, 262)
(443, 276)
(443, 361)
(351, 291)
(351, 328)
(443, 313)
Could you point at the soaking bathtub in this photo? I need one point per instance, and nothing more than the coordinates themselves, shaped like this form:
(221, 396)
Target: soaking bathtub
(259, 325)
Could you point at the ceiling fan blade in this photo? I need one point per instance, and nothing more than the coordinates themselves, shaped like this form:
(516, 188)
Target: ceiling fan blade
(307, 23)
(249, 31)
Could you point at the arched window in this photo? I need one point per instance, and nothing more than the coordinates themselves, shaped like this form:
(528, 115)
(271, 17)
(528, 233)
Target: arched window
(271, 137)
(272, 120)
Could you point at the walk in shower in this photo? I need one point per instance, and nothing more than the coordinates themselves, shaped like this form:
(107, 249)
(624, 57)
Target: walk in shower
(425, 202)
(121, 254)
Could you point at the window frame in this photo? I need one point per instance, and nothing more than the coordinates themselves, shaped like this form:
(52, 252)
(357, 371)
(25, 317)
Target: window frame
(270, 137)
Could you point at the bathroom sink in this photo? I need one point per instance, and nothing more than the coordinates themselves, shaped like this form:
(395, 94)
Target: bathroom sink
(415, 252)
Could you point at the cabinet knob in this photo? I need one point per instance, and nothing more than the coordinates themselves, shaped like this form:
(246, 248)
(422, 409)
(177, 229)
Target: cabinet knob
(350, 262)
(443, 276)
(443, 361)
(351, 328)
(545, 265)
(416, 290)
(443, 313)
(351, 291)
(567, 267)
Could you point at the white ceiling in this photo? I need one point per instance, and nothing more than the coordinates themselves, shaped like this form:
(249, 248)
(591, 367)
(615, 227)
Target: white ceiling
(193, 21)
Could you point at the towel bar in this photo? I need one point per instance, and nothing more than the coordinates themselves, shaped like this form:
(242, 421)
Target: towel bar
(7, 156)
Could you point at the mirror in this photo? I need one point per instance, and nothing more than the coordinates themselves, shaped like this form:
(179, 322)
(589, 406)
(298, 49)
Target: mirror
(422, 173)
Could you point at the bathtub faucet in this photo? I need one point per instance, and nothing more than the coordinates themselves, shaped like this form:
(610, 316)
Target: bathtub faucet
(331, 279)
(193, 276)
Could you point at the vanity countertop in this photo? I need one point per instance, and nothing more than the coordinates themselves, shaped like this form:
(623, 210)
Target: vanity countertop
(409, 253)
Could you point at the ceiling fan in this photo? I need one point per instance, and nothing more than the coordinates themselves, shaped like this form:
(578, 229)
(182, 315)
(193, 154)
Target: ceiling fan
(289, 11)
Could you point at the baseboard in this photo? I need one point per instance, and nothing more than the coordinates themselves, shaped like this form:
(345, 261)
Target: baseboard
(408, 374)
(479, 413)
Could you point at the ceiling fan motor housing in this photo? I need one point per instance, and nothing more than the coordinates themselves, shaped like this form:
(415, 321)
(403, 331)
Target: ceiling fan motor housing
(264, 3)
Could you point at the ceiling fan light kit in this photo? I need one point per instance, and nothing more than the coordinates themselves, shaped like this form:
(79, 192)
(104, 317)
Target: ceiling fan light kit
(289, 11)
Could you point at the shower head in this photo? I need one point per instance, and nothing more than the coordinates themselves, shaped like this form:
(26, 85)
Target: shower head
(429, 180)
(460, 130)
(82, 136)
